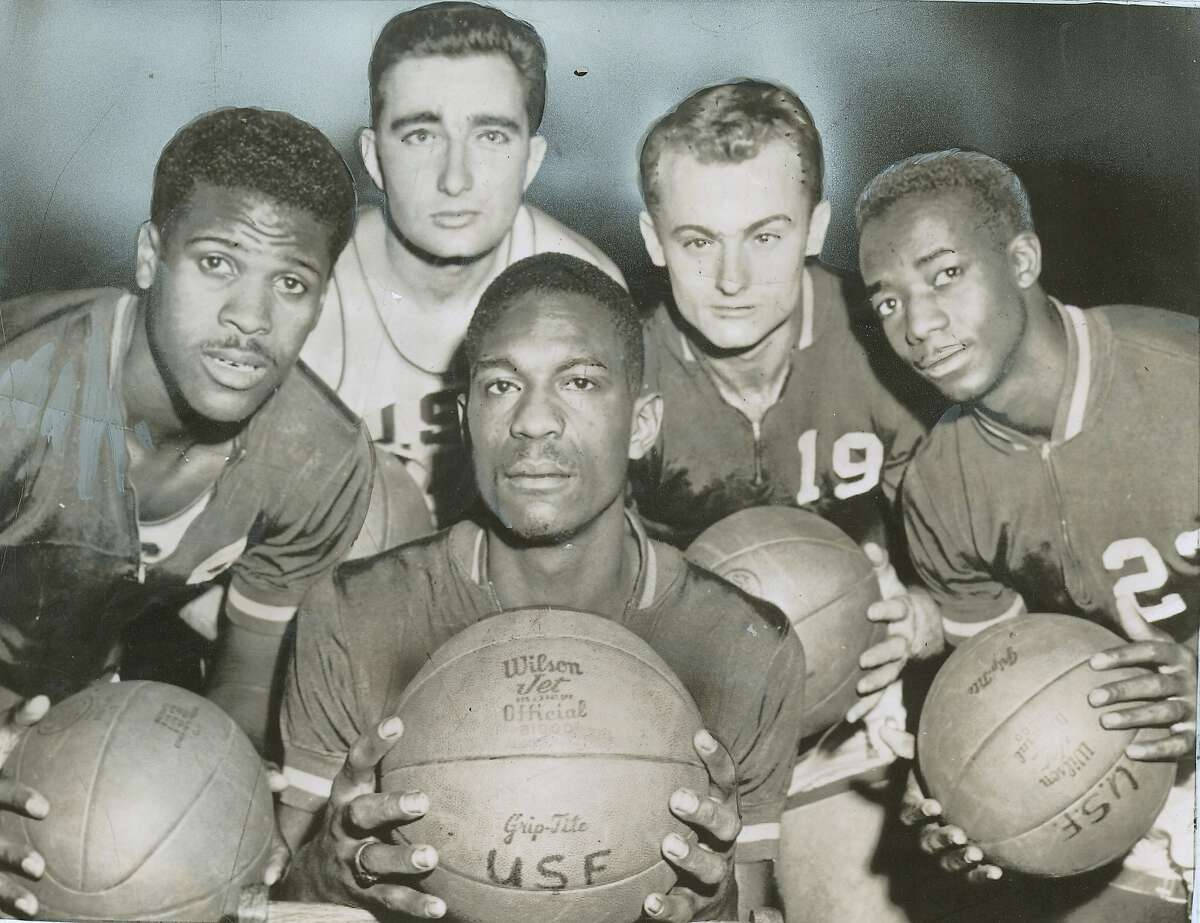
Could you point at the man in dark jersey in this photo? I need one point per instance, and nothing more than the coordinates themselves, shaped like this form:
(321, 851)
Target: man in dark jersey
(1068, 480)
(152, 443)
(554, 411)
(776, 390)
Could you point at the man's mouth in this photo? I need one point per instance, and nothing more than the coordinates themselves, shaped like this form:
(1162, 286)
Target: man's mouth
(942, 361)
(537, 476)
(454, 219)
(239, 369)
(732, 310)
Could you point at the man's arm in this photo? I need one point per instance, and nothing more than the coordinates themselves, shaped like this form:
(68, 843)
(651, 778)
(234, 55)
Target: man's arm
(318, 523)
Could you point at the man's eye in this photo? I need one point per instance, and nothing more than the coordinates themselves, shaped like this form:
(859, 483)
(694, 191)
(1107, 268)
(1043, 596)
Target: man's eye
(578, 383)
(418, 136)
(499, 387)
(292, 286)
(212, 263)
(765, 237)
(886, 307)
(945, 276)
(494, 136)
(697, 243)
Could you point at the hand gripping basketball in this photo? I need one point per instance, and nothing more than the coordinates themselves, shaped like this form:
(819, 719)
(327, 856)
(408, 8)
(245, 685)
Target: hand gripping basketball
(947, 843)
(1165, 697)
(14, 898)
(704, 865)
(914, 632)
(347, 862)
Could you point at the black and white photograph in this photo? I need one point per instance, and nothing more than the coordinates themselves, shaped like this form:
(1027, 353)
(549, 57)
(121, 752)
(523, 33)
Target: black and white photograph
(599, 461)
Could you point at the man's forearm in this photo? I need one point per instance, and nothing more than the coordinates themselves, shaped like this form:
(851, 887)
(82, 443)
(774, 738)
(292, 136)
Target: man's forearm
(243, 678)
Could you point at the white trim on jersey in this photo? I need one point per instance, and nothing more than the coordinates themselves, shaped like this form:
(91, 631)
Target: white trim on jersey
(308, 782)
(758, 833)
(260, 610)
(1083, 371)
(970, 629)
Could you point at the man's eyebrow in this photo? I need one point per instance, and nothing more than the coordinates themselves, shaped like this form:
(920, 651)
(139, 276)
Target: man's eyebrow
(483, 363)
(496, 121)
(576, 361)
(933, 255)
(234, 245)
(425, 117)
(872, 289)
(757, 225)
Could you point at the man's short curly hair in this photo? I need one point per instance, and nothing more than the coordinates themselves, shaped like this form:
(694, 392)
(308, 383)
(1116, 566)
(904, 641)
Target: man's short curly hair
(457, 29)
(560, 273)
(732, 122)
(272, 154)
(1000, 198)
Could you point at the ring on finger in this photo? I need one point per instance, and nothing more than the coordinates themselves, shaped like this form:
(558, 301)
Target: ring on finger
(362, 875)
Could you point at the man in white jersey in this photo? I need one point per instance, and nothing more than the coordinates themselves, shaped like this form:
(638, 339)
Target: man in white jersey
(457, 94)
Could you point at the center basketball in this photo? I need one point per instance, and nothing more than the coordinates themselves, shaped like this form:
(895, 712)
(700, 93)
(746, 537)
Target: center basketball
(819, 578)
(549, 743)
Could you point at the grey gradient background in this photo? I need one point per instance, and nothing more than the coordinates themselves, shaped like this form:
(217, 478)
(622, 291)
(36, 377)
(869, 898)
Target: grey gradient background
(1097, 106)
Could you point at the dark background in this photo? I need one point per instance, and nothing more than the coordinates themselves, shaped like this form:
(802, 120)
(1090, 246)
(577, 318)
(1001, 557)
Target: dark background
(1096, 106)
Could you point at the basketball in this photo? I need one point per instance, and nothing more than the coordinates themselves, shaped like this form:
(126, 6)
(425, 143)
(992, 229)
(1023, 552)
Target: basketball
(397, 513)
(821, 580)
(1015, 754)
(549, 743)
(160, 808)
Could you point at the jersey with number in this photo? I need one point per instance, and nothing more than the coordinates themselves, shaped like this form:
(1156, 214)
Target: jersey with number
(835, 442)
(76, 566)
(358, 348)
(1107, 508)
(363, 634)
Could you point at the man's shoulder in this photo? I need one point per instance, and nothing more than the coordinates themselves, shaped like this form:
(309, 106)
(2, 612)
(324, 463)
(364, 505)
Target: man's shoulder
(950, 443)
(43, 315)
(689, 588)
(1138, 327)
(419, 566)
(305, 415)
(552, 236)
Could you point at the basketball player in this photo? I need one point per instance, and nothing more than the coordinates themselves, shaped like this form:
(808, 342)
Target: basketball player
(773, 393)
(554, 411)
(1066, 481)
(151, 443)
(457, 94)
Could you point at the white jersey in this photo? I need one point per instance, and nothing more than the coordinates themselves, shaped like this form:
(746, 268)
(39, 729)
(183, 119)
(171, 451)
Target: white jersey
(406, 391)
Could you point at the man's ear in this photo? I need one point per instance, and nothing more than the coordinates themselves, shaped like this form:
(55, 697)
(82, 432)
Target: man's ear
(818, 227)
(533, 162)
(650, 238)
(149, 253)
(460, 401)
(370, 156)
(647, 420)
(1025, 257)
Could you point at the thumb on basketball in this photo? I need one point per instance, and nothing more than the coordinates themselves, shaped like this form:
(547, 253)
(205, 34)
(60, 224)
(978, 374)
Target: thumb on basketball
(1134, 625)
(358, 772)
(22, 716)
(890, 585)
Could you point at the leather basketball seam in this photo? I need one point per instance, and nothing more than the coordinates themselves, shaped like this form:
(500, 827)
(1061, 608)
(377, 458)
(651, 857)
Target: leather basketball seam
(91, 789)
(999, 725)
(673, 681)
(767, 543)
(624, 757)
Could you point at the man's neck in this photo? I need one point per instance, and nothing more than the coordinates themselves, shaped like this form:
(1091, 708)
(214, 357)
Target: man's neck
(1030, 391)
(429, 283)
(751, 380)
(595, 571)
